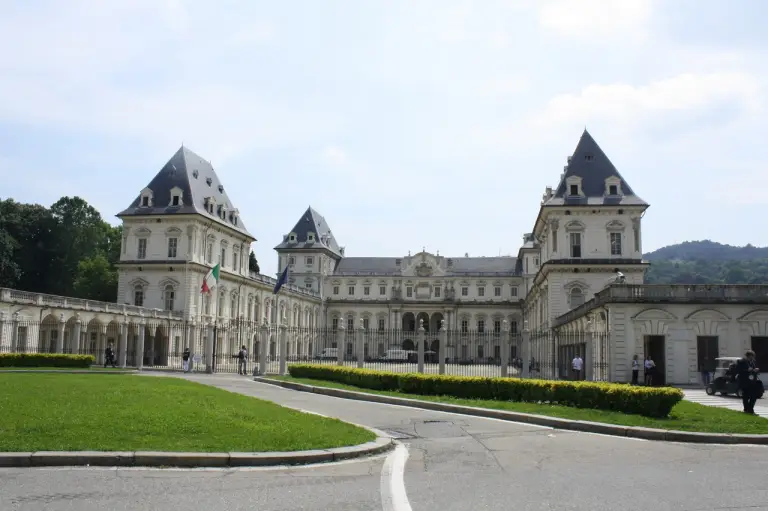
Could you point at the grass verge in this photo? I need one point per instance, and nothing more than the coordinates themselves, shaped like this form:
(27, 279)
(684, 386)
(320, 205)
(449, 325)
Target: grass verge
(92, 368)
(76, 412)
(685, 416)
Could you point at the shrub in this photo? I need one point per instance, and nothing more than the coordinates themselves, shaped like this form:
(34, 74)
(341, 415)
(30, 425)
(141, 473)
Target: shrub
(45, 360)
(648, 401)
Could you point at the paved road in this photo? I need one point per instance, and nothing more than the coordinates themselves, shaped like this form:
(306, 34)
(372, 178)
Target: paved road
(453, 463)
(731, 402)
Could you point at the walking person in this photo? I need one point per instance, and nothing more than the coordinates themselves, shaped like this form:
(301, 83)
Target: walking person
(746, 374)
(242, 359)
(577, 364)
(705, 371)
(185, 359)
(109, 356)
(650, 369)
(635, 370)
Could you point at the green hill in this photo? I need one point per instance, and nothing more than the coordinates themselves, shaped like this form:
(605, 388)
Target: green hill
(707, 262)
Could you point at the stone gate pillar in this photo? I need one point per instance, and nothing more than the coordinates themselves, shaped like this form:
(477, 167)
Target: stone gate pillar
(525, 351)
(360, 341)
(421, 338)
(442, 348)
(140, 345)
(505, 344)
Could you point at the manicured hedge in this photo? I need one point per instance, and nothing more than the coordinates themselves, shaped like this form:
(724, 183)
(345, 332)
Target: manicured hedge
(45, 360)
(648, 401)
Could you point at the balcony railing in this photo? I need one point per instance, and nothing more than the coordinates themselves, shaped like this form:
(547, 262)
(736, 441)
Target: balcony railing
(258, 277)
(65, 302)
(674, 293)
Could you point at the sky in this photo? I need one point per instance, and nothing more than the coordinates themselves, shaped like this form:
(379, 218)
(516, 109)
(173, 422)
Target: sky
(408, 124)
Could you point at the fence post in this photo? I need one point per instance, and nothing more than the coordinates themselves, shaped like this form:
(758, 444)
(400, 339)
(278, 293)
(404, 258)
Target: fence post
(263, 348)
(2, 327)
(139, 344)
(589, 363)
(442, 336)
(122, 351)
(420, 348)
(209, 348)
(505, 343)
(525, 351)
(283, 351)
(341, 345)
(60, 337)
(361, 345)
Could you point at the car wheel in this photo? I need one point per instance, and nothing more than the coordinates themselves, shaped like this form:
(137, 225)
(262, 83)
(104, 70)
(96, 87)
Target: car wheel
(710, 391)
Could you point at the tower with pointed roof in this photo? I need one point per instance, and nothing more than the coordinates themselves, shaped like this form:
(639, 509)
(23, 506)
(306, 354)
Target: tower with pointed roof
(589, 235)
(180, 226)
(310, 251)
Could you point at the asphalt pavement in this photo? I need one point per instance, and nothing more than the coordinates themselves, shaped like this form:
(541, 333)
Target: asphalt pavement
(446, 462)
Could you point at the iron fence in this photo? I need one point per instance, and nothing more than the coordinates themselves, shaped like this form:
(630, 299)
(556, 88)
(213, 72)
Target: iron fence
(167, 345)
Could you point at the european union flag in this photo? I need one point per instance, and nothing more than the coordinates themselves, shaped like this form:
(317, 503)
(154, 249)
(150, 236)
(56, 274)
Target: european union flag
(282, 280)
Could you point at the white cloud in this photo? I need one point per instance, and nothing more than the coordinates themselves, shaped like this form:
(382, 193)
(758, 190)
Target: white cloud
(596, 19)
(335, 156)
(624, 104)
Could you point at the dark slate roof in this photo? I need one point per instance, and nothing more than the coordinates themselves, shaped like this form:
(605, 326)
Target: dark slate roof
(460, 266)
(197, 180)
(311, 221)
(590, 163)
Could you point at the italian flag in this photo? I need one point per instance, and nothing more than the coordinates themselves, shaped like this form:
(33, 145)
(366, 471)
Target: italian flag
(210, 280)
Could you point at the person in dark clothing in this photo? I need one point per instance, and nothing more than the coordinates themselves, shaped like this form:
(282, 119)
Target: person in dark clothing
(242, 359)
(109, 356)
(185, 359)
(746, 375)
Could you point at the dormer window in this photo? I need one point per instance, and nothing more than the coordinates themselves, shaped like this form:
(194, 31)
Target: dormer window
(292, 237)
(588, 157)
(210, 203)
(175, 200)
(613, 190)
(176, 197)
(208, 181)
(574, 190)
(221, 188)
(146, 199)
(613, 186)
(311, 236)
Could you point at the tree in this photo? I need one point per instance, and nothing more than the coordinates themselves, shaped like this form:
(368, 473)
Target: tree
(253, 264)
(25, 248)
(96, 279)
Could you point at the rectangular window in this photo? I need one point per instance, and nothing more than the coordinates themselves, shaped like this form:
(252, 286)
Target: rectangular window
(366, 323)
(138, 298)
(437, 292)
(173, 244)
(308, 285)
(335, 324)
(209, 255)
(381, 324)
(616, 243)
(366, 290)
(497, 291)
(382, 290)
(480, 326)
(351, 290)
(309, 260)
(409, 292)
(574, 190)
(613, 190)
(496, 326)
(513, 327)
(464, 291)
(142, 253)
(513, 291)
(350, 324)
(169, 297)
(480, 291)
(464, 326)
(223, 257)
(575, 245)
(235, 260)
(145, 201)
(335, 290)
(175, 200)
(291, 261)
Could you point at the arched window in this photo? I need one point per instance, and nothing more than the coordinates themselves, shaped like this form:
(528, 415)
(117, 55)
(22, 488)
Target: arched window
(575, 297)
(222, 299)
(169, 296)
(138, 295)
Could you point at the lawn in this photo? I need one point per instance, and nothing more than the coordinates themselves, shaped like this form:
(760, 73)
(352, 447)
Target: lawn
(73, 412)
(685, 416)
(92, 368)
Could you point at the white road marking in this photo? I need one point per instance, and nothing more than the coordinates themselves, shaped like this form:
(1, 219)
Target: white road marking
(393, 495)
(732, 403)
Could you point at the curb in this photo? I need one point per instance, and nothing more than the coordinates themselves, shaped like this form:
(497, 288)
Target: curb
(193, 459)
(538, 420)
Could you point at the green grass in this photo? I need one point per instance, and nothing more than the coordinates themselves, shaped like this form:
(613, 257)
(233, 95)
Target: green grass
(92, 368)
(685, 416)
(74, 412)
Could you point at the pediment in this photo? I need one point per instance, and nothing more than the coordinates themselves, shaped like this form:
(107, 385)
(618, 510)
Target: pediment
(755, 315)
(707, 314)
(423, 265)
(654, 314)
